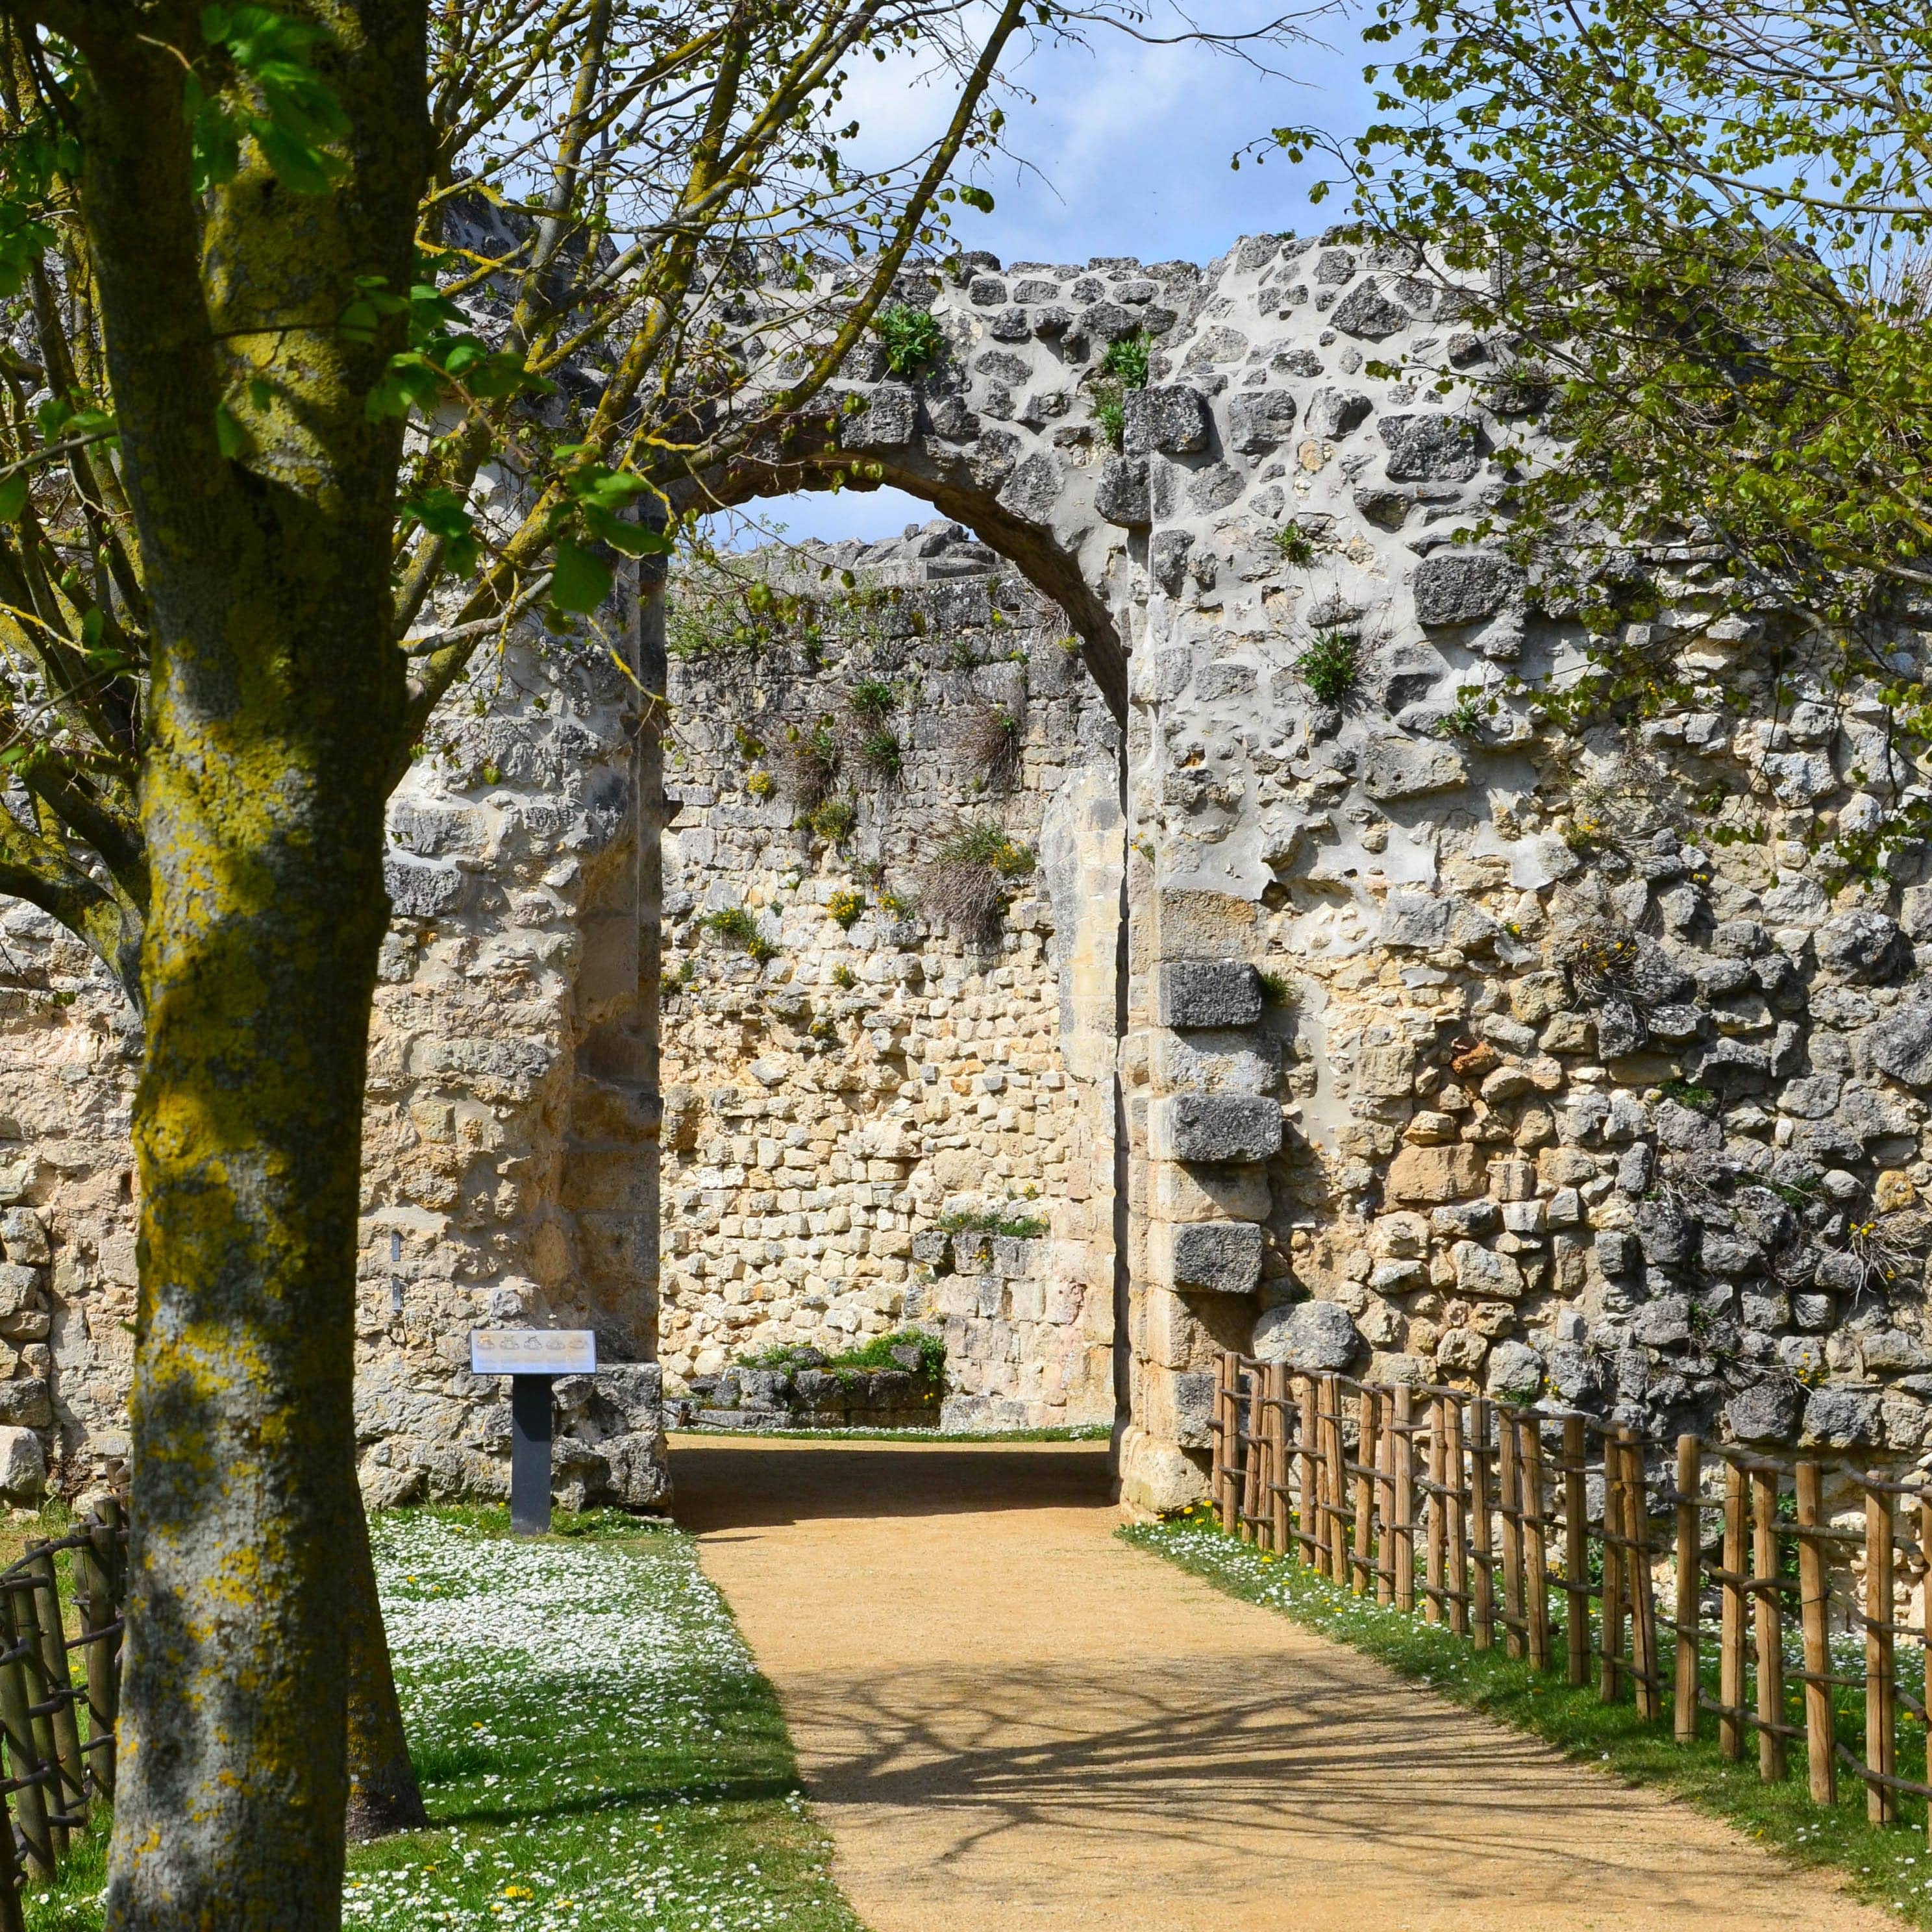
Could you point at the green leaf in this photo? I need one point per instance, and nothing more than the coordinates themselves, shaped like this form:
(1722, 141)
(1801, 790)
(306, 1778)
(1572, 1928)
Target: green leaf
(12, 497)
(230, 436)
(579, 581)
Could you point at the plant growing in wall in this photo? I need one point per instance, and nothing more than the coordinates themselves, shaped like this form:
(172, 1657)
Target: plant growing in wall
(846, 907)
(1331, 665)
(833, 820)
(761, 785)
(911, 337)
(882, 754)
(1294, 545)
(992, 746)
(969, 883)
(808, 764)
(1122, 367)
(872, 700)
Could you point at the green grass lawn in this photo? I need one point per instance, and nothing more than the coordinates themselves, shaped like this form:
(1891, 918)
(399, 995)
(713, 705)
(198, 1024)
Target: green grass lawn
(1889, 1866)
(596, 1747)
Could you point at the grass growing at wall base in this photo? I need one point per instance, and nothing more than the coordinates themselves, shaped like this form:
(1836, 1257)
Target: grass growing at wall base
(1887, 1866)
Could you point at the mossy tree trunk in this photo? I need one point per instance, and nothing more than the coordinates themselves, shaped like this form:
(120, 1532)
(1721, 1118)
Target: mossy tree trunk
(264, 495)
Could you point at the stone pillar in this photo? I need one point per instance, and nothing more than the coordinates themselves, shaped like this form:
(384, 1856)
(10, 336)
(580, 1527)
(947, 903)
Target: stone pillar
(1207, 1121)
(610, 1180)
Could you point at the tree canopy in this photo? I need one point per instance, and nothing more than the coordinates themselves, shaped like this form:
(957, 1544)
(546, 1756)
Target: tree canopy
(1699, 231)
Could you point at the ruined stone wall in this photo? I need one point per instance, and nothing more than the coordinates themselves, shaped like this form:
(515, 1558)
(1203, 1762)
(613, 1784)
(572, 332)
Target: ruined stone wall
(506, 1166)
(1465, 1032)
(829, 1107)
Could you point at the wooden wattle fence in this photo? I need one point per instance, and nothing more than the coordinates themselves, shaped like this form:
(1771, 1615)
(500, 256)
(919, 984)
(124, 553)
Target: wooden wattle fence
(1545, 1531)
(57, 1724)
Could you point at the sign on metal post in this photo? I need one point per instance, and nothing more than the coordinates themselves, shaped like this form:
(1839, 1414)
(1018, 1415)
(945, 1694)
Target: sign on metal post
(531, 1357)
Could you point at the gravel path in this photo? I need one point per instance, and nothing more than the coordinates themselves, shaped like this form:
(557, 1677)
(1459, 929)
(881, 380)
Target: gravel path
(1012, 1722)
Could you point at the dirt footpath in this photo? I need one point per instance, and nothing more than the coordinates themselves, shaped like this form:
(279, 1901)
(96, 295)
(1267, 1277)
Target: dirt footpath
(1011, 1722)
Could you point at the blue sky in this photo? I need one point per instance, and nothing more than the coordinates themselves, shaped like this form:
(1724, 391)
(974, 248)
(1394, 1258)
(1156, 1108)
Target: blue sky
(1127, 150)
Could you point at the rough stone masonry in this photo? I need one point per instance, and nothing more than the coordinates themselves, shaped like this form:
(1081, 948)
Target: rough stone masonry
(1450, 1038)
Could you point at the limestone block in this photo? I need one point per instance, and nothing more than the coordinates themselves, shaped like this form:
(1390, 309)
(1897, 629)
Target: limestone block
(1156, 1478)
(1174, 1335)
(26, 1402)
(1901, 1043)
(1187, 922)
(1432, 448)
(1335, 413)
(1258, 421)
(1483, 1275)
(23, 1466)
(1312, 1337)
(1768, 1411)
(20, 1288)
(1220, 1257)
(421, 890)
(1515, 1371)
(1366, 312)
(1212, 1127)
(25, 1238)
(1179, 1404)
(1419, 919)
(1231, 1193)
(1429, 1174)
(889, 419)
(1398, 768)
(1842, 1418)
(1205, 1063)
(1172, 420)
(1121, 494)
(1456, 586)
(1203, 993)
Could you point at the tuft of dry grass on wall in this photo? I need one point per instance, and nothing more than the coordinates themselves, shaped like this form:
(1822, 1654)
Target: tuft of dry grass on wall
(991, 746)
(807, 766)
(969, 881)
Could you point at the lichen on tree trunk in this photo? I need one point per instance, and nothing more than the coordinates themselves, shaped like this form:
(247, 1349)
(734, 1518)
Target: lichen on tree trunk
(264, 492)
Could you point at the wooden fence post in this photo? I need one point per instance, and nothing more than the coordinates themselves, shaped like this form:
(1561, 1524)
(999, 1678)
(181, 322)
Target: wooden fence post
(1403, 1445)
(1308, 1501)
(1458, 1518)
(1368, 1448)
(1731, 1636)
(63, 1721)
(1814, 1612)
(1337, 1488)
(1690, 1578)
(24, 1761)
(1482, 1528)
(1253, 1439)
(1610, 1636)
(1222, 1490)
(96, 1567)
(1278, 1399)
(1535, 1546)
(1641, 1585)
(1576, 1551)
(1509, 1506)
(1772, 1762)
(1436, 1559)
(1881, 1659)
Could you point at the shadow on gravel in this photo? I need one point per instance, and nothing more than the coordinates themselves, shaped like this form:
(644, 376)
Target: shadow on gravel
(733, 1486)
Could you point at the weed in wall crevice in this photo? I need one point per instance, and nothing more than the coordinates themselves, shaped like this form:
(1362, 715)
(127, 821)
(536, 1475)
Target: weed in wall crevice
(970, 881)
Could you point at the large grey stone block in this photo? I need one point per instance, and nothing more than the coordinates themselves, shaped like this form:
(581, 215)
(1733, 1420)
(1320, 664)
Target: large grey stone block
(1173, 420)
(1208, 993)
(23, 1465)
(1121, 494)
(1212, 1127)
(1462, 586)
(1333, 413)
(1366, 311)
(1314, 1337)
(1220, 1257)
(1431, 448)
(1258, 422)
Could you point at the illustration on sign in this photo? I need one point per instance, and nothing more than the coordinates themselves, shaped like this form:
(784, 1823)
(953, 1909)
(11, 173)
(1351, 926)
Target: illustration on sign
(532, 1351)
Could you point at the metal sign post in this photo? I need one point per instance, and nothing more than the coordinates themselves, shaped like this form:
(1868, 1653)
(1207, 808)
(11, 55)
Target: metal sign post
(532, 1358)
